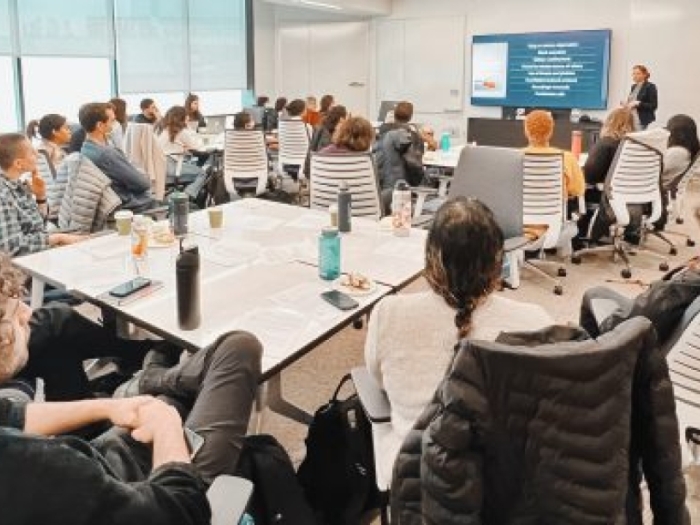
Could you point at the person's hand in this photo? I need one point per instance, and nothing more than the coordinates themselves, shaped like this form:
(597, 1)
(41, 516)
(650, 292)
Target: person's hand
(156, 419)
(63, 239)
(125, 412)
(38, 186)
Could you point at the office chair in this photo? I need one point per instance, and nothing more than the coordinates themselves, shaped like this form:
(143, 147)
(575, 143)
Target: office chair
(544, 208)
(245, 162)
(293, 147)
(357, 170)
(633, 178)
(676, 200)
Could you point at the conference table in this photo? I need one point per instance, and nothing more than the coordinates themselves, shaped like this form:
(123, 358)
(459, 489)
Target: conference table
(258, 273)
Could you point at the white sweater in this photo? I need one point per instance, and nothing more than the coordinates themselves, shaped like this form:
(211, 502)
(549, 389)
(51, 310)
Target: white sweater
(410, 343)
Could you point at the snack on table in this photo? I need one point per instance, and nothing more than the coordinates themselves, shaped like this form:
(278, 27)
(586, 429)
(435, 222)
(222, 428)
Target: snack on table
(161, 234)
(356, 281)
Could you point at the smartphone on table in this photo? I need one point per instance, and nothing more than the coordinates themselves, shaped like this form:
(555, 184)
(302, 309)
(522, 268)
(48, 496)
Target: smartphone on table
(340, 300)
(130, 287)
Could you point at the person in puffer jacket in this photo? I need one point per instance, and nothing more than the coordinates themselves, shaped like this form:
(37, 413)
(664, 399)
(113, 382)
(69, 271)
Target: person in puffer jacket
(546, 427)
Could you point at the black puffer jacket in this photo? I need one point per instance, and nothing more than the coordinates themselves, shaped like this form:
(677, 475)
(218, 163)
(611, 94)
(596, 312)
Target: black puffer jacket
(552, 434)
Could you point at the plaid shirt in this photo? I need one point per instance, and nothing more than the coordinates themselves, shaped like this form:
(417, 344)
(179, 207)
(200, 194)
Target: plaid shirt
(21, 224)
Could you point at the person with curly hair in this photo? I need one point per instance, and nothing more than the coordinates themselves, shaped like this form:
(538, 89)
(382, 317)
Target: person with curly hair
(411, 337)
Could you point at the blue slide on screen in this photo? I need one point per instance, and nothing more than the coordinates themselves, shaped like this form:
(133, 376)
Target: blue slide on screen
(550, 70)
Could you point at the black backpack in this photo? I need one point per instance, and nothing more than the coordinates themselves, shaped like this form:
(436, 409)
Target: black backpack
(338, 471)
(412, 155)
(277, 497)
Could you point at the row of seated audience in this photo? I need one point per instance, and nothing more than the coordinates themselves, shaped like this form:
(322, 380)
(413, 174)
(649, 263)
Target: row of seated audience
(409, 336)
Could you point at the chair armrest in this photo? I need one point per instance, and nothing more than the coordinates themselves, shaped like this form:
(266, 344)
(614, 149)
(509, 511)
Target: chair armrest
(372, 398)
(421, 193)
(515, 243)
(228, 497)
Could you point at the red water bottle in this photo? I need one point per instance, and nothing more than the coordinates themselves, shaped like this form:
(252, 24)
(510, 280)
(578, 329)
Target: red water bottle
(576, 143)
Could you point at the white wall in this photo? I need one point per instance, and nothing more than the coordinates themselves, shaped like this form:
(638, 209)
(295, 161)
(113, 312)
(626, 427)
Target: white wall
(420, 48)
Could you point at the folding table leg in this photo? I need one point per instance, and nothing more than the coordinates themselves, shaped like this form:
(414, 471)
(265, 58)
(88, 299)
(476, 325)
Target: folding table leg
(37, 299)
(276, 402)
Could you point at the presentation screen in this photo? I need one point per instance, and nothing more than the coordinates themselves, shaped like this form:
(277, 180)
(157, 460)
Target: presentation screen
(548, 70)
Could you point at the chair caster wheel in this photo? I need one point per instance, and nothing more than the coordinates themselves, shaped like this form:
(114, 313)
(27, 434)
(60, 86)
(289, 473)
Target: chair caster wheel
(663, 267)
(690, 243)
(576, 259)
(357, 324)
(561, 272)
(680, 221)
(558, 290)
(626, 274)
(673, 251)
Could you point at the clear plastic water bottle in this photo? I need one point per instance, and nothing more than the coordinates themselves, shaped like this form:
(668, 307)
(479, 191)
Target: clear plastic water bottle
(445, 142)
(139, 237)
(401, 209)
(179, 210)
(329, 254)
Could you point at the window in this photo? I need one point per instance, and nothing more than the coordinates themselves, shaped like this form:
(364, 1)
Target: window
(220, 102)
(151, 45)
(5, 32)
(50, 27)
(164, 101)
(218, 45)
(62, 85)
(8, 100)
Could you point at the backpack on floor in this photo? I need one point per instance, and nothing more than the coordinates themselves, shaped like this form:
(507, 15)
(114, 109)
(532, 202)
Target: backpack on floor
(277, 498)
(338, 471)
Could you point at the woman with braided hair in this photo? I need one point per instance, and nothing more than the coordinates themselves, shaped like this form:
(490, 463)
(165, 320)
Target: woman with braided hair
(411, 337)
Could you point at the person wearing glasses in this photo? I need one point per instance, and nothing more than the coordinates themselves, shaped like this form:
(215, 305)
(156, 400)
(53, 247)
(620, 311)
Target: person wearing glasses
(142, 469)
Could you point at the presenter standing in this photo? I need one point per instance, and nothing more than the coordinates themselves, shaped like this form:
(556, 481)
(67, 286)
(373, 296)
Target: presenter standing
(643, 98)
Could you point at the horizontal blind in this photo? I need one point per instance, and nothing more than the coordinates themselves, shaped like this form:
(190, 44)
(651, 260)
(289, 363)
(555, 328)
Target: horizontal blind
(5, 34)
(218, 45)
(78, 28)
(151, 45)
(8, 102)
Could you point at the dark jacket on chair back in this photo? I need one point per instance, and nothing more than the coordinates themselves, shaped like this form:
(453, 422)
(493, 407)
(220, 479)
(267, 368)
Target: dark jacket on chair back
(549, 429)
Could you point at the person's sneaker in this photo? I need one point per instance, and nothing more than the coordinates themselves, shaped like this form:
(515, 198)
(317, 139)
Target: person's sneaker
(130, 387)
(148, 381)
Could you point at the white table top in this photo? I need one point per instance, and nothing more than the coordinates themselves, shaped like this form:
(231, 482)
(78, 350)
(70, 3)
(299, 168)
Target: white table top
(258, 273)
(443, 159)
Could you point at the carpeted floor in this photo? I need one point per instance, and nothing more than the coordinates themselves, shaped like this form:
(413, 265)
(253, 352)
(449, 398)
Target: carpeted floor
(311, 381)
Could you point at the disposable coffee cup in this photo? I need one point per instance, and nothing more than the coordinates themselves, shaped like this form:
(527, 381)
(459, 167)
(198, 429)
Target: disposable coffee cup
(333, 211)
(123, 219)
(216, 217)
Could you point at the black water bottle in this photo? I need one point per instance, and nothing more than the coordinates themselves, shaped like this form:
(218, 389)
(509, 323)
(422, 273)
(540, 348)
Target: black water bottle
(187, 277)
(344, 208)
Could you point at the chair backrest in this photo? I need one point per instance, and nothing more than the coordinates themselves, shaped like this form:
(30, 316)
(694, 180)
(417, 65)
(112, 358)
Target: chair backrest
(294, 140)
(145, 152)
(494, 176)
(543, 193)
(634, 178)
(691, 171)
(684, 368)
(357, 170)
(245, 157)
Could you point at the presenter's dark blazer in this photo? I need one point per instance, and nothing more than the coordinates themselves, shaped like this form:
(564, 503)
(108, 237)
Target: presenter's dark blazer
(648, 101)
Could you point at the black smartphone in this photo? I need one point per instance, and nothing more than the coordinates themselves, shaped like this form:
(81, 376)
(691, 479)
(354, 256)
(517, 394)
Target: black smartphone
(129, 287)
(340, 300)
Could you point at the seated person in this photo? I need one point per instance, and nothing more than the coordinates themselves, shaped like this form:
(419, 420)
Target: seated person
(149, 112)
(22, 208)
(327, 103)
(539, 128)
(132, 186)
(295, 111)
(177, 139)
(428, 135)
(139, 471)
(683, 146)
(394, 143)
(311, 115)
(617, 125)
(195, 119)
(323, 134)
(116, 138)
(353, 135)
(55, 134)
(411, 337)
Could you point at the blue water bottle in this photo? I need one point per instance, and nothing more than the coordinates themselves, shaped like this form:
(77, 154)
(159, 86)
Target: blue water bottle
(445, 142)
(329, 254)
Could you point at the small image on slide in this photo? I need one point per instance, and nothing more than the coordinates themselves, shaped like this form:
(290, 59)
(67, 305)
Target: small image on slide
(489, 70)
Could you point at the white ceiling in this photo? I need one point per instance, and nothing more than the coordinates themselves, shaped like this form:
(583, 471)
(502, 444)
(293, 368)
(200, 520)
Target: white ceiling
(341, 7)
